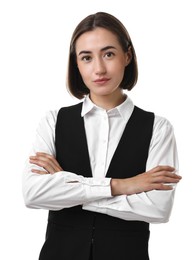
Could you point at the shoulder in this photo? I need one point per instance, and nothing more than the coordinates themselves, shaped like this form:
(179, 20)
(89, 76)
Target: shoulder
(48, 121)
(143, 117)
(51, 116)
(162, 124)
(140, 111)
(69, 112)
(75, 107)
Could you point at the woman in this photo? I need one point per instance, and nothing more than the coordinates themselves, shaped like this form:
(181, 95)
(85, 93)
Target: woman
(104, 168)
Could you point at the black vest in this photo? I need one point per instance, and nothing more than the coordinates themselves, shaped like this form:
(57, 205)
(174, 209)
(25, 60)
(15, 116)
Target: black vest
(73, 232)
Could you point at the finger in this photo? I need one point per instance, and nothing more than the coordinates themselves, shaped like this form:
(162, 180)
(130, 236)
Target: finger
(45, 156)
(47, 165)
(167, 174)
(165, 179)
(46, 161)
(162, 186)
(39, 172)
(160, 168)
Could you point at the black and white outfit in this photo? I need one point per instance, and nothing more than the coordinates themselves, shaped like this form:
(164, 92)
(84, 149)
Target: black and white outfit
(92, 146)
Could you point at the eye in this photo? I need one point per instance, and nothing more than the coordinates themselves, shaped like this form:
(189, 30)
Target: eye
(109, 55)
(86, 58)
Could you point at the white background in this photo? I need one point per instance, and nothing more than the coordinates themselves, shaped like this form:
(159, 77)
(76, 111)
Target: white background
(34, 41)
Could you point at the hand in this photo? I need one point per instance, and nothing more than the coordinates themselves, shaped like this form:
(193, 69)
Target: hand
(47, 161)
(157, 178)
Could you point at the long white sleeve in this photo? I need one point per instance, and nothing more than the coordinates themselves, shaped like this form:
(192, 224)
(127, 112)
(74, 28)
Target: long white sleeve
(154, 206)
(62, 189)
(66, 189)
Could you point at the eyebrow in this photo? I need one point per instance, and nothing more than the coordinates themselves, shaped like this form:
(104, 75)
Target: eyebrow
(103, 49)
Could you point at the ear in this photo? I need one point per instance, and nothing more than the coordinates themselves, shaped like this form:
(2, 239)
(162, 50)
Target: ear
(128, 56)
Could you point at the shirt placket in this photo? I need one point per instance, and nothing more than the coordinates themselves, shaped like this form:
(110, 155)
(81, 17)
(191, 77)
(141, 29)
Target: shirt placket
(103, 145)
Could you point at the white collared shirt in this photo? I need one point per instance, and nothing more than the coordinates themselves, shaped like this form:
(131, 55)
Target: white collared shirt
(103, 130)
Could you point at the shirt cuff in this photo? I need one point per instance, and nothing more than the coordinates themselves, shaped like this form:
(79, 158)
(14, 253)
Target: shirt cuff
(97, 189)
(94, 188)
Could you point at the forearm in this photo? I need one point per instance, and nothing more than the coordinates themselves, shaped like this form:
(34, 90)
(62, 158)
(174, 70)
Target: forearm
(158, 178)
(61, 190)
(152, 207)
(141, 199)
(146, 197)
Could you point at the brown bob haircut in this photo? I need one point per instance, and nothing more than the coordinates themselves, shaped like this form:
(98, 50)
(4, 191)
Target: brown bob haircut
(75, 83)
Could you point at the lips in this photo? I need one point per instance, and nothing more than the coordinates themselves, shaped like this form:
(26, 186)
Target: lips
(101, 80)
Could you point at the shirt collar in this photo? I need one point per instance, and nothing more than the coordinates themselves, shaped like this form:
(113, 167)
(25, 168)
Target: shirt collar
(124, 110)
(87, 106)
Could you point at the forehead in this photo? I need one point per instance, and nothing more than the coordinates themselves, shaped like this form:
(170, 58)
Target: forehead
(96, 39)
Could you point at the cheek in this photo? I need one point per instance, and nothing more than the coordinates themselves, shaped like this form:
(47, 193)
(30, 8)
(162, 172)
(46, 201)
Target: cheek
(84, 72)
(119, 70)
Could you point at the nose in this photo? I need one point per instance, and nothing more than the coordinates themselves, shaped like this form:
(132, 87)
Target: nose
(99, 66)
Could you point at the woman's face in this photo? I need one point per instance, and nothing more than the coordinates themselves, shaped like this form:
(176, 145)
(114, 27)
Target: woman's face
(101, 62)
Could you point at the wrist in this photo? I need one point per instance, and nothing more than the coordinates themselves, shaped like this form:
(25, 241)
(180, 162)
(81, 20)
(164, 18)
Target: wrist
(116, 187)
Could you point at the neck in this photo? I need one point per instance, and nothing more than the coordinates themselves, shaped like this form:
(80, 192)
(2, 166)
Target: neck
(108, 102)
